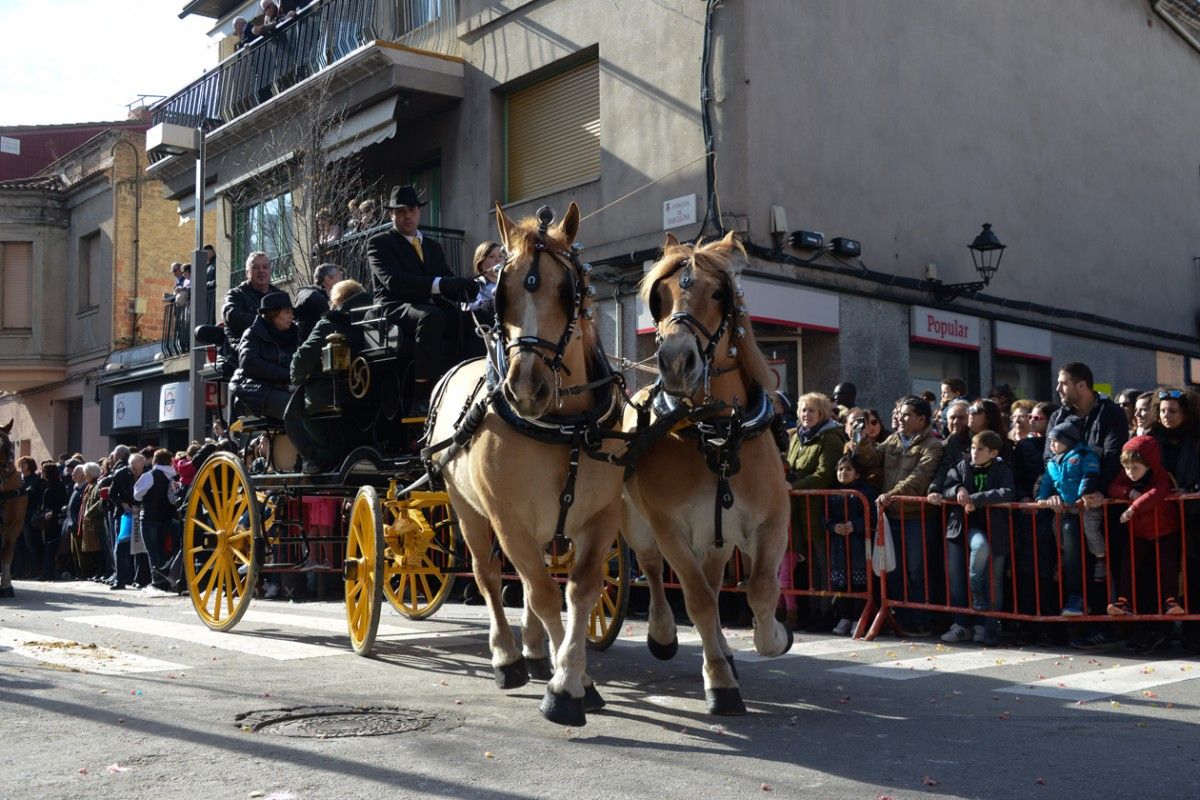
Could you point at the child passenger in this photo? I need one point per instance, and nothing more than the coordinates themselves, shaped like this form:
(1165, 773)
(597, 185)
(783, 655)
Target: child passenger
(977, 547)
(1151, 553)
(1070, 474)
(849, 520)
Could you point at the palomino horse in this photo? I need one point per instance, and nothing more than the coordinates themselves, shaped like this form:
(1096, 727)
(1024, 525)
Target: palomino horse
(12, 509)
(716, 482)
(522, 417)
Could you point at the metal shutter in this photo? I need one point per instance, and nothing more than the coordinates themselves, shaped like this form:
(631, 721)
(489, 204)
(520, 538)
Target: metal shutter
(18, 284)
(553, 134)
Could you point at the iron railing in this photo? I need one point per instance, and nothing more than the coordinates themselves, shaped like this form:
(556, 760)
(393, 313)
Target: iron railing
(350, 251)
(320, 36)
(176, 328)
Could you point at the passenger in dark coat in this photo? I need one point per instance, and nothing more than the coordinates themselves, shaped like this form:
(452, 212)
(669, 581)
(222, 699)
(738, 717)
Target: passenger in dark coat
(243, 301)
(261, 382)
(330, 441)
(313, 301)
(412, 280)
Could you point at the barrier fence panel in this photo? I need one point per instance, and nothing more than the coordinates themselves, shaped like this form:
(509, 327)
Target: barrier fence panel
(1033, 563)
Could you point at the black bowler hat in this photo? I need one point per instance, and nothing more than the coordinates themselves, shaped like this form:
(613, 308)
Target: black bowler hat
(273, 301)
(405, 196)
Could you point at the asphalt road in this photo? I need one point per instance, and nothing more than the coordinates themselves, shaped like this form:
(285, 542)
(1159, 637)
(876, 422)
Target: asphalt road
(126, 695)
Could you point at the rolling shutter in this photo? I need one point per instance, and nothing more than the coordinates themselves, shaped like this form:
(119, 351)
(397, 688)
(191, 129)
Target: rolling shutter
(553, 135)
(18, 285)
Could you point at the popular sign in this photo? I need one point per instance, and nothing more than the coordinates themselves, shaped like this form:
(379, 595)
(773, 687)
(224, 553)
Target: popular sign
(935, 326)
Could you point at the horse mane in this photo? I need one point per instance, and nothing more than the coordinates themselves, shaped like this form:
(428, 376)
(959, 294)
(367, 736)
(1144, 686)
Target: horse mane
(716, 257)
(522, 237)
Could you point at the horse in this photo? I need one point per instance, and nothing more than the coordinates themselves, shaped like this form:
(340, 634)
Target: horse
(12, 508)
(714, 482)
(510, 431)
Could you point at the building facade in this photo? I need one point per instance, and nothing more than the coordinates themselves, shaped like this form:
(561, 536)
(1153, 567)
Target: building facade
(87, 247)
(1067, 126)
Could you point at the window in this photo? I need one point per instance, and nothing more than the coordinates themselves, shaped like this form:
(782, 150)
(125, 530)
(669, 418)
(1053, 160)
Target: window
(428, 180)
(266, 226)
(552, 134)
(89, 268)
(16, 276)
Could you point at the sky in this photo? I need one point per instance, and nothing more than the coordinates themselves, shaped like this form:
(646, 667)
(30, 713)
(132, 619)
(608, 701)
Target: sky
(85, 60)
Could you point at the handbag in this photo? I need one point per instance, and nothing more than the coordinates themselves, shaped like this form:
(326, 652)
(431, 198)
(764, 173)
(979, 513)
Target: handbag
(883, 556)
(137, 544)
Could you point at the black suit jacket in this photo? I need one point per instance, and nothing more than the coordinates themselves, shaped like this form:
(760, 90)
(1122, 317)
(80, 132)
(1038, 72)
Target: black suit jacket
(398, 275)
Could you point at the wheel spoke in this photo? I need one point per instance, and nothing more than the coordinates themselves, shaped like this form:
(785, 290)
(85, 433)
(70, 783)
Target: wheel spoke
(429, 594)
(203, 526)
(207, 565)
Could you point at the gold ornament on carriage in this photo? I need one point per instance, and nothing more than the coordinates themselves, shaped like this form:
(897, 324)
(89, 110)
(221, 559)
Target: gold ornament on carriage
(359, 378)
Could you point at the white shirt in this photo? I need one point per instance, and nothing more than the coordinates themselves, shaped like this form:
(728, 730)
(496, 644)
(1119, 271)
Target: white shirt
(146, 480)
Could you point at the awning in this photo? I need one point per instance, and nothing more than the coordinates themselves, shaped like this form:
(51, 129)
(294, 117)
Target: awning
(370, 126)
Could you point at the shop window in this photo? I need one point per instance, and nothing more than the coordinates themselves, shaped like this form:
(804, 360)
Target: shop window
(552, 133)
(929, 366)
(1029, 379)
(268, 226)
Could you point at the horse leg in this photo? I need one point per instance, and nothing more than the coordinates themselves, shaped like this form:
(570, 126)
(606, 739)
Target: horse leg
(714, 572)
(771, 637)
(661, 637)
(720, 685)
(8, 541)
(508, 666)
(533, 642)
(572, 693)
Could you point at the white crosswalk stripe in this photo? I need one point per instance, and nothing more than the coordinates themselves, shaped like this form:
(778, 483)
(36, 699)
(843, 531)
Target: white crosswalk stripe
(1103, 683)
(337, 625)
(944, 663)
(74, 655)
(277, 648)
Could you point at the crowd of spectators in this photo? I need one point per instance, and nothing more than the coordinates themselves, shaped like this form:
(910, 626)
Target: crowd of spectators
(1074, 502)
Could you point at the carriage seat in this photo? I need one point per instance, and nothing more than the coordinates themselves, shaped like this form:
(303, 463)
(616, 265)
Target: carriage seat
(380, 334)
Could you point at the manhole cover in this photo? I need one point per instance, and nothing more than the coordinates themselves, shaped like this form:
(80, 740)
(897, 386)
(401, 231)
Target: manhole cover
(330, 722)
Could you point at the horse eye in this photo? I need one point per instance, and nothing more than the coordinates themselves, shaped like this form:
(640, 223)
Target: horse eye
(719, 295)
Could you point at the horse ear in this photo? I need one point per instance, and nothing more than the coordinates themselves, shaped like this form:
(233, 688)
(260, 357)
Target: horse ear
(504, 225)
(570, 223)
(728, 244)
(5, 429)
(670, 241)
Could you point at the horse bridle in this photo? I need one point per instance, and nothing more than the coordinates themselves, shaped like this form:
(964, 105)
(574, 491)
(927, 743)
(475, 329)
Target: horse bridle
(706, 340)
(568, 261)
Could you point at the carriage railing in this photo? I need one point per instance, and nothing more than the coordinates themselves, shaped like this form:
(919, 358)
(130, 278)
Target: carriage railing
(321, 35)
(350, 251)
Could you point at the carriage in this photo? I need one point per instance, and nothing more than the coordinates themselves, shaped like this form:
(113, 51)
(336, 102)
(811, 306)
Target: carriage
(388, 538)
(553, 411)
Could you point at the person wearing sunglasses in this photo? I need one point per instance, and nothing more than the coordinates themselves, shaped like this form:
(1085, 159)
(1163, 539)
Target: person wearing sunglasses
(1127, 400)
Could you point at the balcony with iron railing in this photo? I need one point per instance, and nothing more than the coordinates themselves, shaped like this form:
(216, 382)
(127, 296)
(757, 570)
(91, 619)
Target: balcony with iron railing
(320, 37)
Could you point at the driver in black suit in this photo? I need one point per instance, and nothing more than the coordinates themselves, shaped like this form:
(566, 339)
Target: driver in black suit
(419, 293)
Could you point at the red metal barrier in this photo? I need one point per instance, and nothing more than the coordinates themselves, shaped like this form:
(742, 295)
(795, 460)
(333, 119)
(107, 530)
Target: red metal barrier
(1041, 572)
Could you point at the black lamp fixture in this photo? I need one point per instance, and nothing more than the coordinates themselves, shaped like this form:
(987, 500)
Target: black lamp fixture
(986, 252)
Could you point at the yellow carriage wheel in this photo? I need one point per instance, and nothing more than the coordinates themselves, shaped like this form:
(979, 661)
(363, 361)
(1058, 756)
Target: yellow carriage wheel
(608, 615)
(220, 526)
(363, 567)
(421, 557)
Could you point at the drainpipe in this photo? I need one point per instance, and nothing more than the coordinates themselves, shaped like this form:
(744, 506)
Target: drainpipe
(1187, 35)
(137, 208)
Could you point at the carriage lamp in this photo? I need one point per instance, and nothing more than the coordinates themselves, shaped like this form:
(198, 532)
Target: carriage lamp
(986, 252)
(335, 356)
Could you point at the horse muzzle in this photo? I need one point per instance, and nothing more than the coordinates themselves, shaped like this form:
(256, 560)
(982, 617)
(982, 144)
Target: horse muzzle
(680, 365)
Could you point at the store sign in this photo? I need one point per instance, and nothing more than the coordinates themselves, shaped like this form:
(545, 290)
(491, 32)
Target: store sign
(212, 395)
(935, 326)
(1022, 341)
(775, 303)
(127, 410)
(173, 401)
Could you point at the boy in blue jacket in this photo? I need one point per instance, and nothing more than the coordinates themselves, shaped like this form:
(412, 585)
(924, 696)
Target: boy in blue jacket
(977, 547)
(1072, 472)
(847, 523)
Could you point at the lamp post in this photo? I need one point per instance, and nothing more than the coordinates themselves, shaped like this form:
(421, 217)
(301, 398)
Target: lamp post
(167, 139)
(986, 253)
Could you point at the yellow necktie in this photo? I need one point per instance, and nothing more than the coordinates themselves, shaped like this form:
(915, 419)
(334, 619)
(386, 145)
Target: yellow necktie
(416, 243)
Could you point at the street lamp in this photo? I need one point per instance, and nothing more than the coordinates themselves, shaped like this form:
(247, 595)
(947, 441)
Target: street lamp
(986, 252)
(167, 139)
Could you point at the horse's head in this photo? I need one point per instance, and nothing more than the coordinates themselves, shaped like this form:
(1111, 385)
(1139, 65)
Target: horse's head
(540, 298)
(6, 452)
(698, 313)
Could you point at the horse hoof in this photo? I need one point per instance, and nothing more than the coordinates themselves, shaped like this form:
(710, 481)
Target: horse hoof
(562, 709)
(512, 676)
(540, 669)
(7, 591)
(725, 702)
(592, 701)
(663, 652)
(732, 667)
